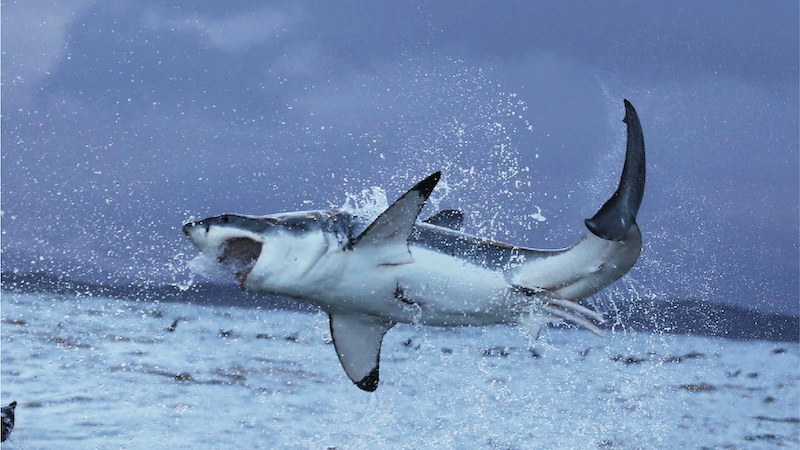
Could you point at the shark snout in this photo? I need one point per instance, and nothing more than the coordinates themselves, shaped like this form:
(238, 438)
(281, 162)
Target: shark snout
(191, 228)
(196, 232)
(187, 228)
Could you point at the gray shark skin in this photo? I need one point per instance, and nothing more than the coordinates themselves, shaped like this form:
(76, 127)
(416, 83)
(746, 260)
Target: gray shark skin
(7, 419)
(369, 275)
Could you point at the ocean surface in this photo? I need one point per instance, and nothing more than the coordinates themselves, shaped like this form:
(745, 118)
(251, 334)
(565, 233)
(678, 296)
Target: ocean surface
(91, 372)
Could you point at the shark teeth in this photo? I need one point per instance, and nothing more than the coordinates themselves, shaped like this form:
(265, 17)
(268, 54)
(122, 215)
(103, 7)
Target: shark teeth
(240, 254)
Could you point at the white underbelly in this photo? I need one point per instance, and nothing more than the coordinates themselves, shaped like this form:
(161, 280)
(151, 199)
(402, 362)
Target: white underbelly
(447, 291)
(433, 289)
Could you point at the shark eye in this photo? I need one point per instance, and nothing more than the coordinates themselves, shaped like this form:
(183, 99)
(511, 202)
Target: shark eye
(225, 219)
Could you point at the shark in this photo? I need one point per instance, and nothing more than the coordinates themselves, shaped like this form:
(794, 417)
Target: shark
(369, 275)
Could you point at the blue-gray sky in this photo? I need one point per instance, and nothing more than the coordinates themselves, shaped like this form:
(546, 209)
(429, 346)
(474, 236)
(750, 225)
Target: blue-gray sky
(120, 120)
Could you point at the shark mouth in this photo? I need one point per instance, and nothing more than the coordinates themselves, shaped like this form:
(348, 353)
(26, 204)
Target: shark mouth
(240, 255)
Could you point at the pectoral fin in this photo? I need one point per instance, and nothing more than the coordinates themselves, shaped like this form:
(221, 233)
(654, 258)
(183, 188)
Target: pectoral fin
(393, 227)
(357, 339)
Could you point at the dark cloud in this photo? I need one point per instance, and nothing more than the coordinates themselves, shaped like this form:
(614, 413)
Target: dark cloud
(121, 121)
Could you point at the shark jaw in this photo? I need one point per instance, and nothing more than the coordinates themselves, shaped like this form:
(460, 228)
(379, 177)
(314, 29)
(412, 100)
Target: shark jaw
(368, 276)
(240, 255)
(234, 251)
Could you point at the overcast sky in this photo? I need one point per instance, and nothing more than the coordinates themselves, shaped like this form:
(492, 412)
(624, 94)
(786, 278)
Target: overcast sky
(121, 120)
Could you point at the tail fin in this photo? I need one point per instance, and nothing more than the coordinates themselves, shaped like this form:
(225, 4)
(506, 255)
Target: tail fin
(556, 279)
(615, 218)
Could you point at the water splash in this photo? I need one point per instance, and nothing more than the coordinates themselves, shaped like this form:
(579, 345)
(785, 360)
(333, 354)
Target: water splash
(208, 268)
(368, 203)
(418, 116)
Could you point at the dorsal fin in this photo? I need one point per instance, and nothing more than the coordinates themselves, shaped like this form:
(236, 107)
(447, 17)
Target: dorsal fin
(394, 226)
(447, 218)
(358, 339)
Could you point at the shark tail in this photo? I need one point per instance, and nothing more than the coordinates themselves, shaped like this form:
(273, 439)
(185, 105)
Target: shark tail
(555, 280)
(618, 214)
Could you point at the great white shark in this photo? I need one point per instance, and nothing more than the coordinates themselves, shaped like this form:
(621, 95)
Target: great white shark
(369, 275)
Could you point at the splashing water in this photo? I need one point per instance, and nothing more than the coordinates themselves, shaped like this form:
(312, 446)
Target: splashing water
(368, 203)
(208, 268)
(443, 115)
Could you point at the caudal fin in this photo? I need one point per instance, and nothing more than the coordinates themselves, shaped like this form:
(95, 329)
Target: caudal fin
(615, 218)
(557, 279)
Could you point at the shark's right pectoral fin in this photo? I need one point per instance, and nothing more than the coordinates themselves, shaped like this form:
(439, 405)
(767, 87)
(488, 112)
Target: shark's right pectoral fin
(357, 339)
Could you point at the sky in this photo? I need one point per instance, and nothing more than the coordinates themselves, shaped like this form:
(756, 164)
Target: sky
(122, 120)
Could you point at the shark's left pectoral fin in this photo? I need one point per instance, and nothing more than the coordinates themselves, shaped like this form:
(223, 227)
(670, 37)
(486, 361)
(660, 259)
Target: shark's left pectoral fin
(394, 226)
(357, 339)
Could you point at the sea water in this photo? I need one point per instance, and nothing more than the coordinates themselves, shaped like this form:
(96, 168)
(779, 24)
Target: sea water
(105, 373)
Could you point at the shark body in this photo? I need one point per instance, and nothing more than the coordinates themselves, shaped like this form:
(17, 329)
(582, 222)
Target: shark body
(370, 275)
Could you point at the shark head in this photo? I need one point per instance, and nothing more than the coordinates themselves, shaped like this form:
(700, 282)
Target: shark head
(270, 253)
(235, 241)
